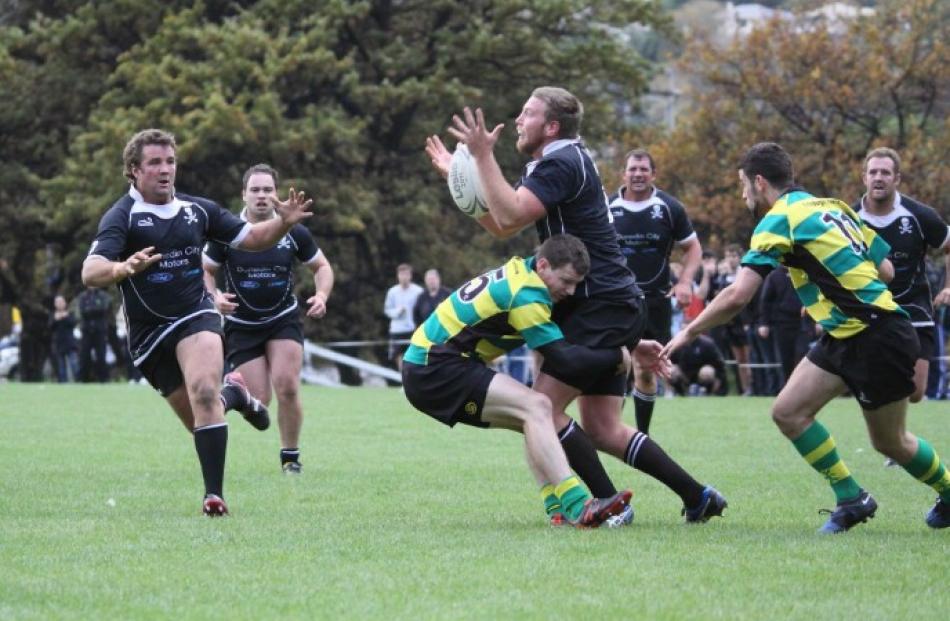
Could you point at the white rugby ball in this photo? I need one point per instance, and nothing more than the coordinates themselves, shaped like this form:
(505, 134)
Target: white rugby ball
(464, 184)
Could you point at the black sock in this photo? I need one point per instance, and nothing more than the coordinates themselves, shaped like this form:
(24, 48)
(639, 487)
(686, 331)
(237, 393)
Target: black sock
(288, 455)
(211, 442)
(643, 409)
(646, 455)
(232, 397)
(583, 459)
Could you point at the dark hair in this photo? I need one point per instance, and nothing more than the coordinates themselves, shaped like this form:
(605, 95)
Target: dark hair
(264, 169)
(770, 161)
(563, 107)
(639, 154)
(561, 250)
(734, 249)
(884, 152)
(132, 153)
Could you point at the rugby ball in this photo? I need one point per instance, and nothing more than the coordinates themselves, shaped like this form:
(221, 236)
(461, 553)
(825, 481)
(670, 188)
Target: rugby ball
(464, 184)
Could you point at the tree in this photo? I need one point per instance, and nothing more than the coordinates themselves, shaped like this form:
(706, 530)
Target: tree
(827, 96)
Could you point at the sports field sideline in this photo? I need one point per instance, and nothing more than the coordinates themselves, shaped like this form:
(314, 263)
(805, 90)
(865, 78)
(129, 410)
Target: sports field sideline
(397, 517)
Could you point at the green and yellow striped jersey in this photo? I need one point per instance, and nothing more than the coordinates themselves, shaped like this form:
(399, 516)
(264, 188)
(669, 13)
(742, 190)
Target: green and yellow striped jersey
(488, 316)
(832, 258)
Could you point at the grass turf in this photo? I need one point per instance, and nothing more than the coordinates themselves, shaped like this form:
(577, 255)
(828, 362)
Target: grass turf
(397, 517)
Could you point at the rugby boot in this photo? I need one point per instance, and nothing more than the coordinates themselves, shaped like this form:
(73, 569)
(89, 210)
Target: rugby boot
(710, 505)
(292, 468)
(250, 408)
(214, 506)
(939, 515)
(849, 513)
(624, 518)
(599, 510)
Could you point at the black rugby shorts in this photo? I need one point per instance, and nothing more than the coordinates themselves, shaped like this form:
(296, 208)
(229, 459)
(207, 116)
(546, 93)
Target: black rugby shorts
(877, 364)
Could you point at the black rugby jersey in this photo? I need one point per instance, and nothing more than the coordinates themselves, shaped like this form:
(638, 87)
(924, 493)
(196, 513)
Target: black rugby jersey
(171, 290)
(648, 229)
(910, 228)
(566, 181)
(263, 281)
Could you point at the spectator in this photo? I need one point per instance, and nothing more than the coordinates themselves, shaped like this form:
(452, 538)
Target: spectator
(400, 300)
(95, 307)
(698, 368)
(63, 345)
(434, 293)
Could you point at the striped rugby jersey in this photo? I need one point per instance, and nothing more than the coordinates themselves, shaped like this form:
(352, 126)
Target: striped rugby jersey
(832, 258)
(488, 316)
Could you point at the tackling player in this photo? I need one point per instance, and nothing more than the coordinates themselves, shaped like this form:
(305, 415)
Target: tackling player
(445, 376)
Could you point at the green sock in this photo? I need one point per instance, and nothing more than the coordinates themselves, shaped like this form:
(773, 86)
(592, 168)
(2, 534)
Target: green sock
(572, 497)
(551, 503)
(926, 467)
(818, 448)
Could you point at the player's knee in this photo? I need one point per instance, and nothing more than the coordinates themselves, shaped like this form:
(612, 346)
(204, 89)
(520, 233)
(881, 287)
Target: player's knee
(203, 393)
(786, 419)
(893, 446)
(286, 389)
(917, 396)
(706, 375)
(537, 408)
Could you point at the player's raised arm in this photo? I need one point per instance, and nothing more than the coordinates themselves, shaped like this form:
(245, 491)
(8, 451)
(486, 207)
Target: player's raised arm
(510, 210)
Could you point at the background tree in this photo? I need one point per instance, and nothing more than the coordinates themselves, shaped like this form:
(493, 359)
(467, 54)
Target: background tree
(827, 95)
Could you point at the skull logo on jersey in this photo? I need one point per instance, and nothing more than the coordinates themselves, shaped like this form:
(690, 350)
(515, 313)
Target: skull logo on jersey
(190, 216)
(284, 242)
(906, 229)
(657, 213)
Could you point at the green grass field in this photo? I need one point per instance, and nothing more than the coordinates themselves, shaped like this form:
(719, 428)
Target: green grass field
(397, 517)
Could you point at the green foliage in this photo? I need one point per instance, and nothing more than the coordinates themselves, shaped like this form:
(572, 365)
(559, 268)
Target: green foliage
(827, 94)
(339, 96)
(396, 517)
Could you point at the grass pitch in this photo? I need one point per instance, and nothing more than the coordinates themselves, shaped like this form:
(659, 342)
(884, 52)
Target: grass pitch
(397, 517)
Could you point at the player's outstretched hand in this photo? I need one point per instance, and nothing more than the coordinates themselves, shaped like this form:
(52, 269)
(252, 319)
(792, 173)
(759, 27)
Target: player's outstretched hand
(649, 355)
(439, 156)
(470, 128)
(293, 210)
(225, 303)
(318, 305)
(679, 339)
(136, 263)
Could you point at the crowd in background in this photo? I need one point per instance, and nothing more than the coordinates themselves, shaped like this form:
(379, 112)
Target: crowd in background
(751, 356)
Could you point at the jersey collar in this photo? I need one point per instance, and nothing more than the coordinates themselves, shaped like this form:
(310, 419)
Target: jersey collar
(632, 204)
(168, 210)
(894, 206)
(243, 215)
